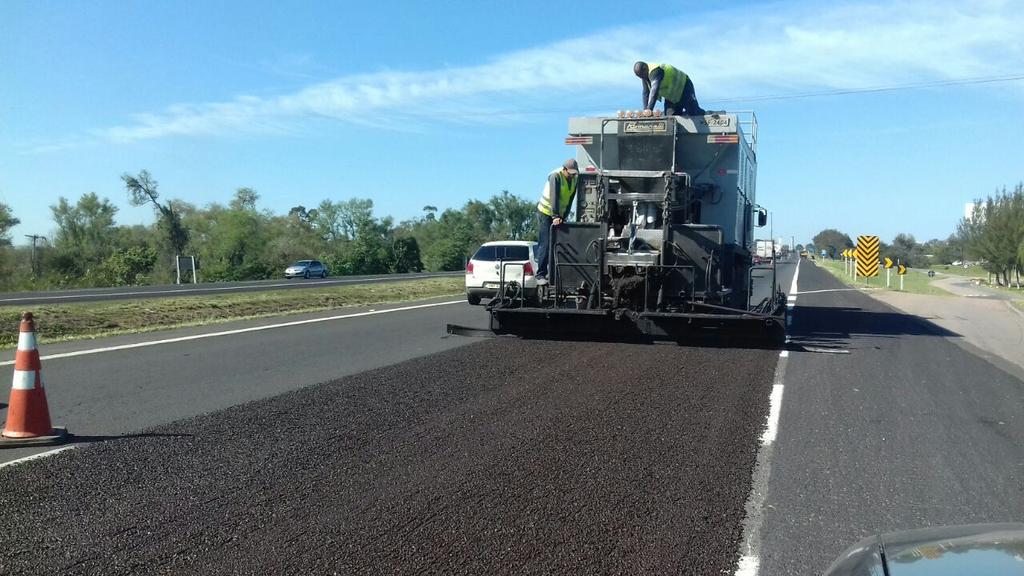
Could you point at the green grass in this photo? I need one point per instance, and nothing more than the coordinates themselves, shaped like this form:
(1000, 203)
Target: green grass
(91, 320)
(913, 282)
(1018, 303)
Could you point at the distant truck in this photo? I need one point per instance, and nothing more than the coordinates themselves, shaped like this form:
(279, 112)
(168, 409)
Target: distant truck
(766, 250)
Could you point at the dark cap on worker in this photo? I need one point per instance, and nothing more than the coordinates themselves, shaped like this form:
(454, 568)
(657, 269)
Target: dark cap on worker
(571, 166)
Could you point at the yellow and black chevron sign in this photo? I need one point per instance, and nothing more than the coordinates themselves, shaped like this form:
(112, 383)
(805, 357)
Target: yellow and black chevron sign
(902, 269)
(867, 255)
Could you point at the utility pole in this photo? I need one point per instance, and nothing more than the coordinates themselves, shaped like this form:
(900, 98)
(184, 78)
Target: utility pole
(34, 237)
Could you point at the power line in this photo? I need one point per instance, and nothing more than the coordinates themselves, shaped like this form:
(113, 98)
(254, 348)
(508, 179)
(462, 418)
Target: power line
(873, 89)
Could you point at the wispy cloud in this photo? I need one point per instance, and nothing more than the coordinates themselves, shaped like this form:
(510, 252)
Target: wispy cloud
(776, 48)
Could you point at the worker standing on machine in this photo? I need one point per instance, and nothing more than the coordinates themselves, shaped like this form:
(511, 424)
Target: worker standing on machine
(553, 209)
(662, 81)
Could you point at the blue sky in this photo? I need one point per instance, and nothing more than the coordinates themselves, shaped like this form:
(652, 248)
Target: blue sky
(416, 103)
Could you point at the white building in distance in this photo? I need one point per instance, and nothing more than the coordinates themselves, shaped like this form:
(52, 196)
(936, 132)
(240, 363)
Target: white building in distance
(968, 211)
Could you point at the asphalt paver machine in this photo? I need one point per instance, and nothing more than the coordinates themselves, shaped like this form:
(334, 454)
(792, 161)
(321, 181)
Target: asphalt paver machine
(661, 245)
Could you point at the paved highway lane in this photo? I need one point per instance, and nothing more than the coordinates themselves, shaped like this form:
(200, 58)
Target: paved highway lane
(482, 458)
(121, 391)
(140, 292)
(623, 459)
(888, 425)
(124, 388)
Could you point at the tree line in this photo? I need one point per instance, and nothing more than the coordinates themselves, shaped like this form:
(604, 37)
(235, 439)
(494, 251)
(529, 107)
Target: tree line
(993, 234)
(240, 241)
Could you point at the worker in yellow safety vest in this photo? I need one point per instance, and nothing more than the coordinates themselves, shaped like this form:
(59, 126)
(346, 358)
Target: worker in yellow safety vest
(553, 209)
(665, 82)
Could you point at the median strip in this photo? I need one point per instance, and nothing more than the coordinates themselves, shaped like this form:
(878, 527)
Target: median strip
(60, 322)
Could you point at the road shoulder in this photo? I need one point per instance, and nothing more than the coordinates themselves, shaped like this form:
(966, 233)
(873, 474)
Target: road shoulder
(887, 424)
(990, 328)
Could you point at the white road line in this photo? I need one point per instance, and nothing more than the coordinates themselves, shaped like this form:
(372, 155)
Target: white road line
(750, 549)
(40, 455)
(796, 274)
(239, 331)
(830, 290)
(768, 437)
(748, 566)
(211, 289)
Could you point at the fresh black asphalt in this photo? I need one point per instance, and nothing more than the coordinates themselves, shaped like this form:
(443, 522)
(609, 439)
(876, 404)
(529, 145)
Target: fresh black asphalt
(123, 391)
(502, 457)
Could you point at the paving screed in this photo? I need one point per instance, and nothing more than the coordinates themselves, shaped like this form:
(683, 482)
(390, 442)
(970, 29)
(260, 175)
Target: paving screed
(503, 457)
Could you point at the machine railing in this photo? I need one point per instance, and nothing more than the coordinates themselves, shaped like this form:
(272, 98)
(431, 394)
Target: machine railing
(747, 119)
(502, 284)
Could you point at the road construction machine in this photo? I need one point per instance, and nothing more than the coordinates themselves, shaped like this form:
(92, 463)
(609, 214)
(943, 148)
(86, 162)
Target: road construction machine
(662, 240)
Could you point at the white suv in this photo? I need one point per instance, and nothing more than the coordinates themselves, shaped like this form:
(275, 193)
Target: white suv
(483, 272)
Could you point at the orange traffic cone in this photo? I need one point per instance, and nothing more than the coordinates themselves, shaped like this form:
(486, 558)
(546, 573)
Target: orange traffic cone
(28, 416)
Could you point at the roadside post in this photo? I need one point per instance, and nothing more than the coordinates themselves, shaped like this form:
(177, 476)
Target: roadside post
(902, 270)
(888, 268)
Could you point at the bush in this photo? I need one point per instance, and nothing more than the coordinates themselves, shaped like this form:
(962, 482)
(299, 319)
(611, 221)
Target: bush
(127, 267)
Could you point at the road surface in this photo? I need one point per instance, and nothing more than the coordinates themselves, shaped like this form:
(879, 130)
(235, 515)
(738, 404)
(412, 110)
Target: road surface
(886, 424)
(424, 454)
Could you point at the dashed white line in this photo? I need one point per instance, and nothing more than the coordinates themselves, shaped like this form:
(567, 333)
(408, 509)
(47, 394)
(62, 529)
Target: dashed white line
(238, 331)
(792, 287)
(748, 566)
(750, 557)
(768, 437)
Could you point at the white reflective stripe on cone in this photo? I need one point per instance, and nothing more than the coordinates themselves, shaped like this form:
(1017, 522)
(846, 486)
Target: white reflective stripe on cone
(24, 380)
(27, 341)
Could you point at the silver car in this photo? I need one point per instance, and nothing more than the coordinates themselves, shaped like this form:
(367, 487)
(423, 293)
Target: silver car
(306, 269)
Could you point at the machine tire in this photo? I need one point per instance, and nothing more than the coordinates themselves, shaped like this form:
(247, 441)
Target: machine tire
(323, 274)
(473, 299)
(306, 274)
